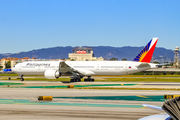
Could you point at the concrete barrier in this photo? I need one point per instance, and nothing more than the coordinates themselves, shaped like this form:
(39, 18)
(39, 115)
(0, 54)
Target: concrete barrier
(47, 98)
(70, 86)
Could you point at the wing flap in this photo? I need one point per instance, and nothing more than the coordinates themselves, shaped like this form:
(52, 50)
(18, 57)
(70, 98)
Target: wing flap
(85, 72)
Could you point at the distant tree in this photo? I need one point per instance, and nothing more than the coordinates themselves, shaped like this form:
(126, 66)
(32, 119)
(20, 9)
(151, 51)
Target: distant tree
(72, 59)
(171, 64)
(114, 59)
(105, 59)
(1, 67)
(155, 62)
(124, 59)
(8, 64)
(5, 64)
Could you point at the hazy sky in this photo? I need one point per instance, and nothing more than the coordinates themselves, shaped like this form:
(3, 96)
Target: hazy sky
(34, 24)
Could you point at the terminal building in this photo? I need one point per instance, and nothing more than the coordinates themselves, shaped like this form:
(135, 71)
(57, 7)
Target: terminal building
(13, 61)
(83, 54)
(4, 61)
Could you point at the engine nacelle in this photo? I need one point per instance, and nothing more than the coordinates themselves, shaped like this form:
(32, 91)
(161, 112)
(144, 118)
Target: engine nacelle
(52, 74)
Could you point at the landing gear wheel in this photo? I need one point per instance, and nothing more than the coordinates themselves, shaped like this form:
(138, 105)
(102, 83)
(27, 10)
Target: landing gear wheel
(77, 80)
(92, 80)
(72, 80)
(89, 79)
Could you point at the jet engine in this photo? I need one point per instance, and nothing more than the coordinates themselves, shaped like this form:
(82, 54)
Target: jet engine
(52, 74)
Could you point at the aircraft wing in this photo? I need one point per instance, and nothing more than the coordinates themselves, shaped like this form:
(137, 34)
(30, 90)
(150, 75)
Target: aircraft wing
(153, 107)
(84, 72)
(66, 67)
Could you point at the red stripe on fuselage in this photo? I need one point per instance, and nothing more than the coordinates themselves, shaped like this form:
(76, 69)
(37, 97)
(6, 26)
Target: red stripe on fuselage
(149, 55)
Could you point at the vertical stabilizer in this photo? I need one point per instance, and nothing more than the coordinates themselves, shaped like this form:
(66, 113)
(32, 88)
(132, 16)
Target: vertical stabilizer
(146, 54)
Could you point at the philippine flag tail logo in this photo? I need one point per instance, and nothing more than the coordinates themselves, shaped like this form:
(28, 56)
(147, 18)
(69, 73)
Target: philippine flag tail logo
(146, 54)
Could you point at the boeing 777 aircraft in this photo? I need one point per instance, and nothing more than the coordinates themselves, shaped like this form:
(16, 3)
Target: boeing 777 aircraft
(79, 69)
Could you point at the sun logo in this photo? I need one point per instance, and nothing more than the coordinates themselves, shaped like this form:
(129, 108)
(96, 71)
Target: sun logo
(143, 55)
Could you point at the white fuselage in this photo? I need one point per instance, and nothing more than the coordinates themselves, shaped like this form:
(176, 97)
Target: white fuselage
(106, 67)
(97, 67)
(35, 67)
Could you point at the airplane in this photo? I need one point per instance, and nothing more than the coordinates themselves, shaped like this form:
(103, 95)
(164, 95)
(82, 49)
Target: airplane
(79, 69)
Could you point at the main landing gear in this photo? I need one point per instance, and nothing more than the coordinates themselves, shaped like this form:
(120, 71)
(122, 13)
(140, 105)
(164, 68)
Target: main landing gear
(75, 77)
(89, 79)
(79, 79)
(75, 80)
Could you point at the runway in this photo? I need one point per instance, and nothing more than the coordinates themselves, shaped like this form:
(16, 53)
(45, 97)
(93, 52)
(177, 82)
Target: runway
(43, 112)
(89, 104)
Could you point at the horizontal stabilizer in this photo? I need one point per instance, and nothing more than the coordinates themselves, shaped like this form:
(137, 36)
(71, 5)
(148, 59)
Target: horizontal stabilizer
(143, 65)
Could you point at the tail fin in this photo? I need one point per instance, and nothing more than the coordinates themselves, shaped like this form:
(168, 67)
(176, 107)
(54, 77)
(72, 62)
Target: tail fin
(146, 54)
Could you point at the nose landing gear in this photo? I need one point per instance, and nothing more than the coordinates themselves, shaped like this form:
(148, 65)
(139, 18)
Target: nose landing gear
(22, 79)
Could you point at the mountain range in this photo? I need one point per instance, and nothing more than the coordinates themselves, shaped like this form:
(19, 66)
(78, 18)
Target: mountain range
(100, 51)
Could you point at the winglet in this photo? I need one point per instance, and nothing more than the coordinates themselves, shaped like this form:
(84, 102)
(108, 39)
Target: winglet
(153, 107)
(146, 54)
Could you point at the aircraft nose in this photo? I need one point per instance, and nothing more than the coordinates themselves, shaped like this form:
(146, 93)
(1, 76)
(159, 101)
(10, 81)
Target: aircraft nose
(12, 69)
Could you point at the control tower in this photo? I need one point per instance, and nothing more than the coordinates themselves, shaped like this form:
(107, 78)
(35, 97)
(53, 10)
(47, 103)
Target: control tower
(83, 54)
(83, 50)
(176, 57)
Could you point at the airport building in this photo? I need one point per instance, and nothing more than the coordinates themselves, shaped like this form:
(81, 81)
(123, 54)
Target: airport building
(4, 61)
(2, 64)
(13, 61)
(83, 54)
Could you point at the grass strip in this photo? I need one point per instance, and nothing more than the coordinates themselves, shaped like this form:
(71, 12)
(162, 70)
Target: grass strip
(140, 80)
(110, 79)
(111, 88)
(38, 79)
(8, 74)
